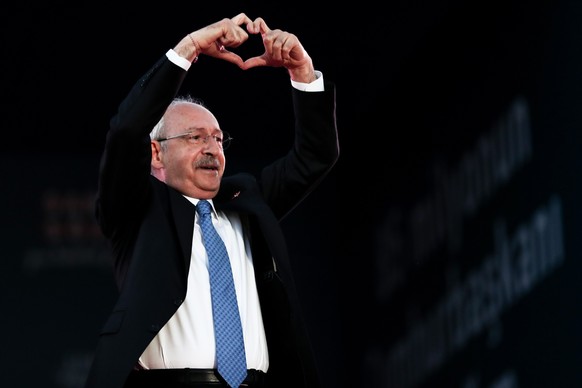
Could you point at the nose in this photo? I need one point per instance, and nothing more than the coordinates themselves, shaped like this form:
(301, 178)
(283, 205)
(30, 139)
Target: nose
(211, 145)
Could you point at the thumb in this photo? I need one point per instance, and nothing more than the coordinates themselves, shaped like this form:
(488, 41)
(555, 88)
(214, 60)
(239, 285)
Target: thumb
(254, 62)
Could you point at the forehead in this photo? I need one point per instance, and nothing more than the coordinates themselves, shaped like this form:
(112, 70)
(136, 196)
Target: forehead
(186, 117)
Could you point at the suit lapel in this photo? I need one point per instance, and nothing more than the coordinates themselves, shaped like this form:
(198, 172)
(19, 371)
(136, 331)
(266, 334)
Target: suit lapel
(183, 212)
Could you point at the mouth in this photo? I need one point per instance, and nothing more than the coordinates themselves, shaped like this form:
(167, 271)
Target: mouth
(208, 164)
(208, 167)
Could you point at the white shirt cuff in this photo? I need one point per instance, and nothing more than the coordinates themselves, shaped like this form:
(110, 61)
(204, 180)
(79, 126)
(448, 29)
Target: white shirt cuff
(178, 60)
(315, 86)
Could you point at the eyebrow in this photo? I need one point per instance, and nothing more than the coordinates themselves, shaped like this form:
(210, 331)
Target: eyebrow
(198, 129)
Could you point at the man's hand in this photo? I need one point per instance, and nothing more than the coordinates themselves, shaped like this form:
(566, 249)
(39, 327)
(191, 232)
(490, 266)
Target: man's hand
(215, 39)
(282, 49)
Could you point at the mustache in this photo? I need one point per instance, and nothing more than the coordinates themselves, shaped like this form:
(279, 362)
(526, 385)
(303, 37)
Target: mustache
(208, 161)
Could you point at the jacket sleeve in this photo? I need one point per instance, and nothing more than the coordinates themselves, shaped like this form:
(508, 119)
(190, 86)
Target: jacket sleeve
(124, 170)
(315, 150)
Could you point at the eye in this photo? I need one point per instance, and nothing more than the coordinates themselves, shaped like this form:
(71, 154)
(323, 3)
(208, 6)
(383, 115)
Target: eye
(218, 139)
(192, 138)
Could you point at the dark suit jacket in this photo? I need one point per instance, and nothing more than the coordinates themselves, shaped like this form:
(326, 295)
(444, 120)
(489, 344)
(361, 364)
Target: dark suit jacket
(150, 226)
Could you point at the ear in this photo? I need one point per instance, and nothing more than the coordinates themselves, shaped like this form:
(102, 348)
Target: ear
(156, 154)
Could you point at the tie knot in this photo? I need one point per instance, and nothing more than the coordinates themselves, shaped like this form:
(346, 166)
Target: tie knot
(203, 207)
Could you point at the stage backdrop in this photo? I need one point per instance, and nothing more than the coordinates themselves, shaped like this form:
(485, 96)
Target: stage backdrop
(473, 227)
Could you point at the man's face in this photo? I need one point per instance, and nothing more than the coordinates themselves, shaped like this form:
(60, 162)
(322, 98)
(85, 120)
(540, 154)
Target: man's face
(191, 160)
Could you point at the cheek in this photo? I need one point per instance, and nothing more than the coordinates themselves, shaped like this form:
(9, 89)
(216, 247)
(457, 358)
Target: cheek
(181, 162)
(222, 160)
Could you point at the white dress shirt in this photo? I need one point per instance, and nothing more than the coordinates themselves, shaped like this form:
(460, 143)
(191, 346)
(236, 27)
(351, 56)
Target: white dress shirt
(187, 340)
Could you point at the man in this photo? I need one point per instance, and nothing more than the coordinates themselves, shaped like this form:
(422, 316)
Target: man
(162, 156)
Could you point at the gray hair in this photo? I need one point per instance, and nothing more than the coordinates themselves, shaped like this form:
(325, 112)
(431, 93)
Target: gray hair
(159, 130)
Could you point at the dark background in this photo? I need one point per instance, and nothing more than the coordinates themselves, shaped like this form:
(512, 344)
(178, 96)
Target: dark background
(421, 86)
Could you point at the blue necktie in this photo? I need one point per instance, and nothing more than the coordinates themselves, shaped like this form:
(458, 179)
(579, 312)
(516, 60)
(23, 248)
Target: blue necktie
(230, 348)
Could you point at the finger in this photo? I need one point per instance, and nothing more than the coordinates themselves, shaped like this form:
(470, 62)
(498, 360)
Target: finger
(274, 43)
(241, 19)
(233, 37)
(289, 45)
(258, 26)
(263, 26)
